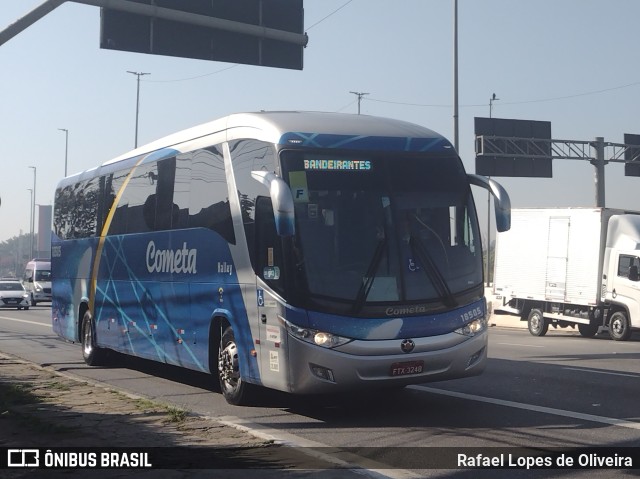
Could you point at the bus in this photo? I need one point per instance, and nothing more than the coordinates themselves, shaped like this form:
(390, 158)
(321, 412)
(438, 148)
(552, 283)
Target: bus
(305, 252)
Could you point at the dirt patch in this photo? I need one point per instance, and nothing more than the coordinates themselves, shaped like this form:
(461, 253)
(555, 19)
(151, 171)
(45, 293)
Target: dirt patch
(42, 408)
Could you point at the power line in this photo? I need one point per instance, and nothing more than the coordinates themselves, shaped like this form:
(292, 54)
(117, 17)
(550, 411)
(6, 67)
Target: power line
(332, 13)
(522, 102)
(194, 77)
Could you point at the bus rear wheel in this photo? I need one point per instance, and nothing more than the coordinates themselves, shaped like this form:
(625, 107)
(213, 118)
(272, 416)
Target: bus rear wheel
(233, 387)
(91, 353)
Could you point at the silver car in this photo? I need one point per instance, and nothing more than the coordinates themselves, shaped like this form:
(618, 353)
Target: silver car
(13, 294)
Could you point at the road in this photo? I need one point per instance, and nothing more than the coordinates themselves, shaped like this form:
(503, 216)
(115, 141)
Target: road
(560, 390)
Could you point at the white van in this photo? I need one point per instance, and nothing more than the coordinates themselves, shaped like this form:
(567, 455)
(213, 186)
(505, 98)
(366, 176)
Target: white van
(37, 280)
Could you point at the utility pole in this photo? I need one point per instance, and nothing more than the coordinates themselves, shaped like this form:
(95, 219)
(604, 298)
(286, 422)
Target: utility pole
(359, 95)
(455, 75)
(66, 149)
(33, 210)
(138, 74)
(599, 163)
(491, 100)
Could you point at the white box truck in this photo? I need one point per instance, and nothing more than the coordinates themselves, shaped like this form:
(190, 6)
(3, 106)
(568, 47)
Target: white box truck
(571, 266)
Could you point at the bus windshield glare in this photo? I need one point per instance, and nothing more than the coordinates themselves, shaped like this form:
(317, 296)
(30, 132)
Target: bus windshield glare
(384, 229)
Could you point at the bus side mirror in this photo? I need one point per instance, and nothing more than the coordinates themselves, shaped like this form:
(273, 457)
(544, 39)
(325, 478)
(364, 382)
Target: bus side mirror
(502, 201)
(282, 201)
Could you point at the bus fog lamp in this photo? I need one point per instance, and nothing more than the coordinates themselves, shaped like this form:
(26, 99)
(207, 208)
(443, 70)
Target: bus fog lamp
(322, 372)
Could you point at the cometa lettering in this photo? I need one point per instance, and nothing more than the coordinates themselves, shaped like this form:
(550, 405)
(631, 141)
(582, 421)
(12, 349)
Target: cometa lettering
(171, 261)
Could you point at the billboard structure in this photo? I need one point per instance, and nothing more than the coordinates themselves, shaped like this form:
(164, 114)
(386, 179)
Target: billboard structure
(253, 32)
(505, 147)
(525, 148)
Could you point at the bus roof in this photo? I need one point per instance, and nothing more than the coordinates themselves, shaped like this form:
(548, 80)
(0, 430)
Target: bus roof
(302, 129)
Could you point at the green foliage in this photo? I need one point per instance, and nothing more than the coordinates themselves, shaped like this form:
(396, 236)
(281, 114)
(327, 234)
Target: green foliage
(14, 255)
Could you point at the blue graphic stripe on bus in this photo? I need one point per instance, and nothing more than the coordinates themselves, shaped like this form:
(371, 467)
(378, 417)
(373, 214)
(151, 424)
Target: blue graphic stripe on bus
(157, 303)
(358, 142)
(397, 326)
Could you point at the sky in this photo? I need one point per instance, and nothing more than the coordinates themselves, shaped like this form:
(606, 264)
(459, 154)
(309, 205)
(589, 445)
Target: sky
(570, 62)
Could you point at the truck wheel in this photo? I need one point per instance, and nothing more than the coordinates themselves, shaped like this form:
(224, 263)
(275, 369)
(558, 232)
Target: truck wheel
(234, 389)
(92, 354)
(538, 325)
(588, 330)
(619, 327)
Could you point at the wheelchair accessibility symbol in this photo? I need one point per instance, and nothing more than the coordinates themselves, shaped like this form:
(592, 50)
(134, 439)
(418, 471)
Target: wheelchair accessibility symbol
(260, 298)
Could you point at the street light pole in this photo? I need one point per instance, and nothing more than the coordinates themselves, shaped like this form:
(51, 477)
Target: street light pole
(491, 100)
(66, 148)
(455, 75)
(33, 209)
(31, 222)
(138, 74)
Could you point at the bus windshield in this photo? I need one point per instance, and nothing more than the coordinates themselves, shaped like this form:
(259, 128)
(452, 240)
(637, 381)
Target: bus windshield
(381, 230)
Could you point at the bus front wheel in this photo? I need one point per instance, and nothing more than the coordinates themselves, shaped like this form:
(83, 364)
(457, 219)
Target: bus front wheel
(233, 388)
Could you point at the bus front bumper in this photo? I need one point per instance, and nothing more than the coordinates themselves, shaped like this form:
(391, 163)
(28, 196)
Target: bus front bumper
(382, 364)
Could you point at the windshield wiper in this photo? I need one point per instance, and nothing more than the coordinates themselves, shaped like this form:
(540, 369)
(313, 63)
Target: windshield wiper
(370, 275)
(432, 271)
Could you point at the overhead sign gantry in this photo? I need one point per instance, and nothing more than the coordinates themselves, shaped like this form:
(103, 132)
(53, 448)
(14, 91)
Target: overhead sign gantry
(524, 148)
(255, 32)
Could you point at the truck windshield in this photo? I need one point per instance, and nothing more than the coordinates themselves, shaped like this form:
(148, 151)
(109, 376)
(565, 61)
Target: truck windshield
(381, 230)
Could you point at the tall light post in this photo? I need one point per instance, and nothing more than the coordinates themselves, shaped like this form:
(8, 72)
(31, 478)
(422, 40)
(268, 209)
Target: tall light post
(455, 75)
(31, 222)
(66, 148)
(33, 209)
(491, 100)
(138, 74)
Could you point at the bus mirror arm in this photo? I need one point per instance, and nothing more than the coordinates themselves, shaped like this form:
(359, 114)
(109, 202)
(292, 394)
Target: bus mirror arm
(502, 202)
(282, 201)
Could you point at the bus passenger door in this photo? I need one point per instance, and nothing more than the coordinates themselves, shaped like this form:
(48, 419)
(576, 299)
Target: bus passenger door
(269, 286)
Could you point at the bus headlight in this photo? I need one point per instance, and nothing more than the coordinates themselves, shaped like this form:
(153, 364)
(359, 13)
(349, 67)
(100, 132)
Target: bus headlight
(473, 328)
(313, 336)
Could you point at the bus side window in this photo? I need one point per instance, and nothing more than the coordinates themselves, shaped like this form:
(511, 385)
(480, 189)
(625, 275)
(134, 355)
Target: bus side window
(268, 245)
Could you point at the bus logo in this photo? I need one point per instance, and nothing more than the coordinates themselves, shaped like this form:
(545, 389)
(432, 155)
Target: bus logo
(171, 261)
(407, 345)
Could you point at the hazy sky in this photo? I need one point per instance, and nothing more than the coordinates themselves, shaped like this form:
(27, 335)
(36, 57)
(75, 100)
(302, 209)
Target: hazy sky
(571, 62)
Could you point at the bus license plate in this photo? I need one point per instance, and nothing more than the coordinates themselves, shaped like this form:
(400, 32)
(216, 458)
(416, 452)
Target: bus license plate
(407, 367)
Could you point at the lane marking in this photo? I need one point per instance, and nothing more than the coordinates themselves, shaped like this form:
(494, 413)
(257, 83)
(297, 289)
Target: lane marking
(311, 448)
(530, 407)
(521, 345)
(628, 375)
(26, 321)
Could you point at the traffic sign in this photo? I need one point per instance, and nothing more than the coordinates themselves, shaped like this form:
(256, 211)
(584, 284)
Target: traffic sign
(253, 32)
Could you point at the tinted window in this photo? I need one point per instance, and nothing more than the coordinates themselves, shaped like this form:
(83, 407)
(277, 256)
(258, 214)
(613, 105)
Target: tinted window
(209, 195)
(248, 156)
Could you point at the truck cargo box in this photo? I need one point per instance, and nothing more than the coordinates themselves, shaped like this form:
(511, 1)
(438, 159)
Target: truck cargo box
(552, 254)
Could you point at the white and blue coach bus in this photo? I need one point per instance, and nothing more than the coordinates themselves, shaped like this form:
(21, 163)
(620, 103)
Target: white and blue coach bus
(304, 252)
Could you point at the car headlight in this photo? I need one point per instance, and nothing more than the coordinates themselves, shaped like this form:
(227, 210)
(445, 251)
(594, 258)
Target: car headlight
(473, 328)
(38, 288)
(313, 336)
(25, 296)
